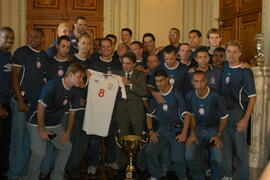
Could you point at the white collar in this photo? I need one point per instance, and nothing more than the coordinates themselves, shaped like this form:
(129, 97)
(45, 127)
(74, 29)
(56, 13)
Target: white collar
(165, 94)
(59, 60)
(80, 57)
(172, 68)
(100, 57)
(63, 82)
(126, 73)
(37, 51)
(234, 67)
(208, 91)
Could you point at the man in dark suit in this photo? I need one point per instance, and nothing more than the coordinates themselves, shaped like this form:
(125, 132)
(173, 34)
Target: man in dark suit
(130, 114)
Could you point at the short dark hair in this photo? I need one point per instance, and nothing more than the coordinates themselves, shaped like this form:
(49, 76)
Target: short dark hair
(128, 30)
(219, 49)
(138, 43)
(39, 30)
(130, 55)
(169, 49)
(80, 17)
(64, 37)
(111, 36)
(161, 72)
(184, 44)
(6, 28)
(197, 72)
(105, 39)
(201, 49)
(149, 35)
(199, 34)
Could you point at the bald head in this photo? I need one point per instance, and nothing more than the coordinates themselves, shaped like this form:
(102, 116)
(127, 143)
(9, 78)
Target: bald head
(6, 38)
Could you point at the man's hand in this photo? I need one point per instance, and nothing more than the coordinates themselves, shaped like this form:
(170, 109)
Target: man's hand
(64, 138)
(44, 134)
(244, 65)
(241, 125)
(158, 97)
(218, 141)
(154, 137)
(23, 107)
(125, 80)
(192, 138)
(3, 112)
(181, 138)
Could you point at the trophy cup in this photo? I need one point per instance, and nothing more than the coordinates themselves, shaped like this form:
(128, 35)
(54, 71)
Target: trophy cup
(131, 144)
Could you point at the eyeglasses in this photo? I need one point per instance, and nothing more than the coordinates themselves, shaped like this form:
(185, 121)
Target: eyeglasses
(172, 34)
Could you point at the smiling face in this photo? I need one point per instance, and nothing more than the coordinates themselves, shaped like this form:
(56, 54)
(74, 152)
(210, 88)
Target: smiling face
(162, 82)
(195, 40)
(35, 39)
(149, 43)
(214, 40)
(126, 37)
(84, 45)
(184, 52)
(76, 79)
(128, 65)
(233, 54)
(6, 39)
(106, 48)
(173, 36)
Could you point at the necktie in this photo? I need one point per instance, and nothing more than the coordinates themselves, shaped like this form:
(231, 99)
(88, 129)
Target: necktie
(128, 76)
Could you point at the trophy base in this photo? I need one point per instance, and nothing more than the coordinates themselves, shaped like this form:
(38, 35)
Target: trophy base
(135, 175)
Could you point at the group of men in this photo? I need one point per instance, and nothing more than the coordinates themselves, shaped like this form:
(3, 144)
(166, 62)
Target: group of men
(195, 101)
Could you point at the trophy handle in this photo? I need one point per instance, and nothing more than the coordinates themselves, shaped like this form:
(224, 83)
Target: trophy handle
(144, 140)
(117, 138)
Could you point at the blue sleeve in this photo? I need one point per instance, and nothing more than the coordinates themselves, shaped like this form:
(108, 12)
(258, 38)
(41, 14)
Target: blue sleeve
(51, 51)
(47, 95)
(75, 100)
(221, 107)
(152, 109)
(188, 98)
(181, 103)
(18, 58)
(249, 84)
(151, 80)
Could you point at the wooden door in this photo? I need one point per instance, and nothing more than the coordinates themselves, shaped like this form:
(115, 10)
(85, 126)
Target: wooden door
(47, 14)
(241, 20)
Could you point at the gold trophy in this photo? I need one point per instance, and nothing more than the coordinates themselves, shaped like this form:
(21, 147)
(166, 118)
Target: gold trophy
(131, 144)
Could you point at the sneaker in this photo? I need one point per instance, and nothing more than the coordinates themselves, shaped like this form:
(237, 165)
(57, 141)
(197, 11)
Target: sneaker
(208, 173)
(152, 178)
(226, 178)
(92, 170)
(43, 175)
(114, 165)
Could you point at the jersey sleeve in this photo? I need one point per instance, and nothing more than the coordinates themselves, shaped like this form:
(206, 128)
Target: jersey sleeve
(221, 107)
(74, 104)
(188, 100)
(249, 84)
(18, 58)
(46, 96)
(151, 111)
(181, 104)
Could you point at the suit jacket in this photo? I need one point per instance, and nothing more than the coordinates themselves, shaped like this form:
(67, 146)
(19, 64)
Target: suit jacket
(139, 85)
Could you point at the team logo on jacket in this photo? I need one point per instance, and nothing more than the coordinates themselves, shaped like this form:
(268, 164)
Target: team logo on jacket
(165, 107)
(201, 111)
(65, 102)
(60, 72)
(110, 85)
(227, 79)
(212, 80)
(172, 81)
(38, 64)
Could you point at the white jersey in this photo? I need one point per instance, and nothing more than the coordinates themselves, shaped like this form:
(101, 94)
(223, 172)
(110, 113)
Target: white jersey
(102, 91)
